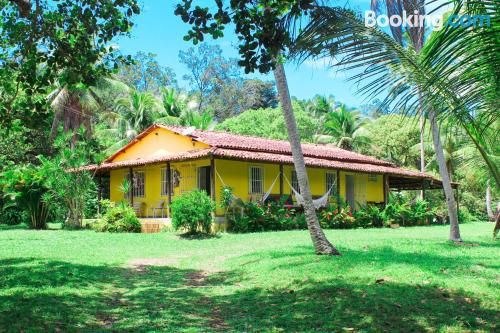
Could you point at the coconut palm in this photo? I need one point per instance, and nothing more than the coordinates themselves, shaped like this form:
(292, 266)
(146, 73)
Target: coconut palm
(318, 237)
(445, 78)
(346, 127)
(80, 105)
(200, 120)
(137, 111)
(173, 103)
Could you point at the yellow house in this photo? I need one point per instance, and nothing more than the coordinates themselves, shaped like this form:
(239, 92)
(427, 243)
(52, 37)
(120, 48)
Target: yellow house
(165, 161)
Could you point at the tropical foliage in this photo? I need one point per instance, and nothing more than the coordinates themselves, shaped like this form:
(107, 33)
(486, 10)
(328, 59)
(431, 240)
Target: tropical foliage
(192, 212)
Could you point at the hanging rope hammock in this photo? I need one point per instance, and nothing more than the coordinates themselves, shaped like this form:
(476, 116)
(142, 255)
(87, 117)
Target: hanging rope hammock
(318, 203)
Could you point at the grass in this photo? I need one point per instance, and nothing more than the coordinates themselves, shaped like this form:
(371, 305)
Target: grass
(403, 280)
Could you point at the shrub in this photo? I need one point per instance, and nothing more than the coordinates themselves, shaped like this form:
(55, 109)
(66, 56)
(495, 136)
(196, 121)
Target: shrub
(12, 215)
(193, 211)
(120, 218)
(270, 216)
(369, 216)
(23, 190)
(332, 218)
(421, 213)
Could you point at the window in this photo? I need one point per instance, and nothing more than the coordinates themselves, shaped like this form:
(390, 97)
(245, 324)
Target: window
(295, 181)
(372, 178)
(164, 182)
(137, 184)
(204, 182)
(256, 185)
(330, 182)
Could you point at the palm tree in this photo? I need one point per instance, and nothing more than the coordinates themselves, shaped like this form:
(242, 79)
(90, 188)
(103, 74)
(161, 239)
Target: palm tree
(320, 105)
(439, 78)
(137, 111)
(203, 120)
(321, 243)
(80, 105)
(346, 127)
(173, 103)
(414, 38)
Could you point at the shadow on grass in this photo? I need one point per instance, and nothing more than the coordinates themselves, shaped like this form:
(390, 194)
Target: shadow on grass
(339, 306)
(45, 295)
(41, 295)
(198, 236)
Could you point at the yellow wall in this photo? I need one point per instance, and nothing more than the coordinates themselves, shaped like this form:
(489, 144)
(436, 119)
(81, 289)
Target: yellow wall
(236, 175)
(159, 142)
(152, 183)
(373, 190)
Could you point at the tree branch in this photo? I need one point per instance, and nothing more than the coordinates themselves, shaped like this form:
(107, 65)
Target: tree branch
(24, 7)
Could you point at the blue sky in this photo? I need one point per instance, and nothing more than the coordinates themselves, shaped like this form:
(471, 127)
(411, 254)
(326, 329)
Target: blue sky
(159, 31)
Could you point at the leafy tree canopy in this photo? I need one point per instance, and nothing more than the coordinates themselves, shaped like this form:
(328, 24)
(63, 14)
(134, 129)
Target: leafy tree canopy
(144, 73)
(270, 123)
(68, 41)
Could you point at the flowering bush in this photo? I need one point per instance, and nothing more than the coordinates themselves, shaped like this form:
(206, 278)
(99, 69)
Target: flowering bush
(332, 217)
(257, 216)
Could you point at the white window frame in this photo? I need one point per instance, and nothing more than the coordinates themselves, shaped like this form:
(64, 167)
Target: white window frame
(333, 182)
(255, 182)
(295, 181)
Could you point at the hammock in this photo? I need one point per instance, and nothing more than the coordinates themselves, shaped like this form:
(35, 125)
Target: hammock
(318, 203)
(264, 197)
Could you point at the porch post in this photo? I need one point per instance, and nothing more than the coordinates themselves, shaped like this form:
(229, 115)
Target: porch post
(386, 189)
(281, 181)
(169, 188)
(131, 188)
(99, 194)
(339, 205)
(212, 178)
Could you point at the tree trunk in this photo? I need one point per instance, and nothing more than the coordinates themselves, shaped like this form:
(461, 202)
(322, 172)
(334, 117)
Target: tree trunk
(448, 191)
(489, 210)
(422, 148)
(321, 244)
(24, 7)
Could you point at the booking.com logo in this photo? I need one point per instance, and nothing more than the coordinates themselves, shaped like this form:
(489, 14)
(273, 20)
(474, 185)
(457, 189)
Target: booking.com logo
(431, 21)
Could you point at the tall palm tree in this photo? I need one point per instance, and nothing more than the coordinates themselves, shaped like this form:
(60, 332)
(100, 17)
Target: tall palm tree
(318, 237)
(435, 77)
(346, 127)
(80, 105)
(414, 38)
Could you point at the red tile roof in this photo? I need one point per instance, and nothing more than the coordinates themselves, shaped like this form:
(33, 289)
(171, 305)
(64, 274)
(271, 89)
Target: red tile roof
(256, 144)
(248, 148)
(243, 155)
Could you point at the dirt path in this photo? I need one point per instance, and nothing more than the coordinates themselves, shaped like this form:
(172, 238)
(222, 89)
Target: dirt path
(198, 280)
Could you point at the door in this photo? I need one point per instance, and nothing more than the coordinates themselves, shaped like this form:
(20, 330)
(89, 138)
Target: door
(349, 190)
(204, 179)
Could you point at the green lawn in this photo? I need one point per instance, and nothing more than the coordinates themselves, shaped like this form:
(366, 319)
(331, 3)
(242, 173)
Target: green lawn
(402, 280)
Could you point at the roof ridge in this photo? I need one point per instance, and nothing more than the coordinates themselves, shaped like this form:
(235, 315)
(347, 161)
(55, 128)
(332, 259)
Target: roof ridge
(374, 159)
